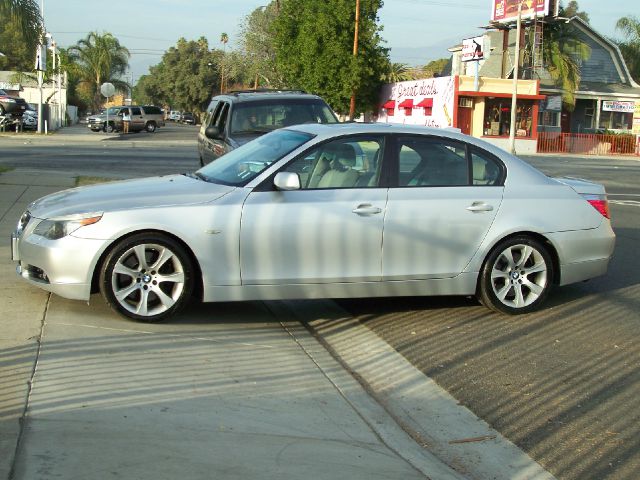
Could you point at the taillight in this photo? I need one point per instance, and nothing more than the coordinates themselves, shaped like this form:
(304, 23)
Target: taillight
(600, 203)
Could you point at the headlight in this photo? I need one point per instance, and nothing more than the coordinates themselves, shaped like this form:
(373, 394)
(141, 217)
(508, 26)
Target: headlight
(8, 100)
(23, 222)
(56, 228)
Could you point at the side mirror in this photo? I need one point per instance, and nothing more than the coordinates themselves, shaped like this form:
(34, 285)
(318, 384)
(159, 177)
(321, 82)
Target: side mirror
(287, 181)
(212, 133)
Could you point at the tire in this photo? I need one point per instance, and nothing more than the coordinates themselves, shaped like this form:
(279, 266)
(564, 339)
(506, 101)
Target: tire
(151, 289)
(108, 128)
(150, 127)
(516, 276)
(2, 110)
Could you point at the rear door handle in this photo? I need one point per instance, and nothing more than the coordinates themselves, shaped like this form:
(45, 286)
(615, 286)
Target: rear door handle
(366, 209)
(480, 207)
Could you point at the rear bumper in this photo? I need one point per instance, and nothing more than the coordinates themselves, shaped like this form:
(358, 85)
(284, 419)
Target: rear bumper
(584, 254)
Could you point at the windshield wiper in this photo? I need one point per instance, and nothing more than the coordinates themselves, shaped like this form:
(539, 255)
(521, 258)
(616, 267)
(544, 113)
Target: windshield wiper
(196, 175)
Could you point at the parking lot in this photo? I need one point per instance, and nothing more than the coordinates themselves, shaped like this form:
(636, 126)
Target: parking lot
(562, 383)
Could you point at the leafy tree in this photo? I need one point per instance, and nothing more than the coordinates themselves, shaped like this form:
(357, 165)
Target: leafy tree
(18, 54)
(573, 10)
(435, 67)
(25, 14)
(99, 58)
(186, 77)
(630, 47)
(257, 46)
(314, 50)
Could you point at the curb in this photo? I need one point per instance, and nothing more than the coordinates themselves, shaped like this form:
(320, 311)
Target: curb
(450, 433)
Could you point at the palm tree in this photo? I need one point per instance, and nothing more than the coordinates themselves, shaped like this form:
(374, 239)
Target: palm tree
(99, 58)
(224, 38)
(26, 14)
(398, 72)
(630, 47)
(563, 54)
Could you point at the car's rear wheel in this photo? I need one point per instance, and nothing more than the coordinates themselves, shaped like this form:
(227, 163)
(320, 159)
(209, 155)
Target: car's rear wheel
(150, 127)
(516, 276)
(147, 277)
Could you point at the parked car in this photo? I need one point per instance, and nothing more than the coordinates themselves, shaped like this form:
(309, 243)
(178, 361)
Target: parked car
(304, 212)
(235, 118)
(174, 115)
(143, 117)
(30, 119)
(188, 118)
(11, 105)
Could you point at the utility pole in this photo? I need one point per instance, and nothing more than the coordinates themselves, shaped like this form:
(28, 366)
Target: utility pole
(352, 106)
(514, 96)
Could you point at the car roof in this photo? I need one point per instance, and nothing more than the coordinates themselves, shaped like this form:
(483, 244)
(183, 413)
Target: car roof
(257, 95)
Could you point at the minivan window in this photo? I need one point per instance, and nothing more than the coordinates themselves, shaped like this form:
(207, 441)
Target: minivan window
(261, 117)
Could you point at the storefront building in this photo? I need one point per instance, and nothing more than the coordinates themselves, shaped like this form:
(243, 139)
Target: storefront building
(481, 109)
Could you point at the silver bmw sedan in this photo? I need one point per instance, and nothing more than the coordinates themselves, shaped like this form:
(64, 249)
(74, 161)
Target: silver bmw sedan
(323, 211)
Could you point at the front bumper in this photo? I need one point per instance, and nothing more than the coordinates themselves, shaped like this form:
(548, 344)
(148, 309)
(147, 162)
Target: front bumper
(64, 267)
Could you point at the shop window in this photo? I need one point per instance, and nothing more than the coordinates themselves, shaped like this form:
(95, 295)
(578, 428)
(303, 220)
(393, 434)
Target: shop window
(497, 117)
(549, 118)
(615, 120)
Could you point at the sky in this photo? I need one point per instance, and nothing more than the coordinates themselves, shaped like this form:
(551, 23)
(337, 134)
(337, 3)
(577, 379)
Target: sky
(416, 31)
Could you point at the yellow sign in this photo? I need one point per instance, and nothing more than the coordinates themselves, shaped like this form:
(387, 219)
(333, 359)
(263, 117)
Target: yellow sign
(636, 119)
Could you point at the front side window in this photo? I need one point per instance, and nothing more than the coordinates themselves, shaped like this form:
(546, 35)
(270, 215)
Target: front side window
(240, 166)
(345, 163)
(424, 161)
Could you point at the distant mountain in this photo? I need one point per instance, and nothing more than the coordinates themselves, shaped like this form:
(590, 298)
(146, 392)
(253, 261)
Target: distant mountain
(424, 54)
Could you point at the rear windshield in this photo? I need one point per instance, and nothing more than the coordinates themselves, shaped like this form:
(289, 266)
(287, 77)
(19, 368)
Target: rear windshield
(265, 116)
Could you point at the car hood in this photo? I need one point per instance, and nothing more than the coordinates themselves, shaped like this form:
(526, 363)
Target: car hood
(171, 190)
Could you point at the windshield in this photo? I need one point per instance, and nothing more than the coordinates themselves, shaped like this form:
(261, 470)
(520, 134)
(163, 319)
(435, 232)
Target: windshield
(112, 111)
(261, 117)
(240, 166)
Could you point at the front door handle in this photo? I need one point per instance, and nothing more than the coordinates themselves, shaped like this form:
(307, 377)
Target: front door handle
(480, 207)
(366, 209)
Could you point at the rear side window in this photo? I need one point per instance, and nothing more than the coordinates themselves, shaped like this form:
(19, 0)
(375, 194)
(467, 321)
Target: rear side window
(485, 169)
(136, 111)
(425, 161)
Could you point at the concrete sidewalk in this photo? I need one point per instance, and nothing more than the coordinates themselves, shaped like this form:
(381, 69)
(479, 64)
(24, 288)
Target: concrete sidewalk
(227, 391)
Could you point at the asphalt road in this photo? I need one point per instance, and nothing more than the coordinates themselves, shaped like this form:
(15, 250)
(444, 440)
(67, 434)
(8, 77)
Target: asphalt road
(171, 149)
(562, 383)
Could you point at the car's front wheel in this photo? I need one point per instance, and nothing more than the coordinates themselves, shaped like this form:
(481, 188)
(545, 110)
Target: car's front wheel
(516, 276)
(147, 277)
(109, 128)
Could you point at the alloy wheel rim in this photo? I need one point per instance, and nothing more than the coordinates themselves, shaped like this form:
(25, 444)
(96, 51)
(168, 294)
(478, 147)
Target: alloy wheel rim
(147, 279)
(519, 276)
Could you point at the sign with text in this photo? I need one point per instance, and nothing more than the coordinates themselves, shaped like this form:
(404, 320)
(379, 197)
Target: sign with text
(431, 101)
(505, 11)
(615, 106)
(636, 120)
(472, 49)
